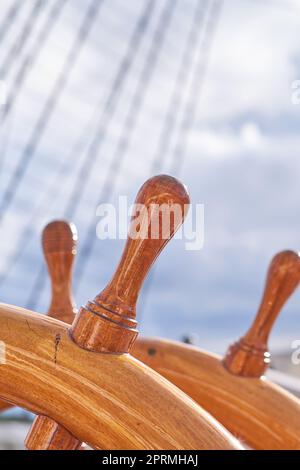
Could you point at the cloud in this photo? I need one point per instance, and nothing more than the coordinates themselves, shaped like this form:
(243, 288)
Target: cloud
(253, 62)
(242, 162)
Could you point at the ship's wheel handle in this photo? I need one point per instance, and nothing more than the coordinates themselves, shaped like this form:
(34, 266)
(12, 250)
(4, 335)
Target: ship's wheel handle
(250, 356)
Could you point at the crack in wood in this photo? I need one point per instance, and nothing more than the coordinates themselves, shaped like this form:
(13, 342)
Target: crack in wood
(57, 342)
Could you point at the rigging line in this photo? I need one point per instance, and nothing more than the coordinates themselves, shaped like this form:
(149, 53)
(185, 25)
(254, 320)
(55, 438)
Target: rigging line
(11, 15)
(43, 119)
(42, 275)
(129, 126)
(67, 165)
(197, 82)
(105, 117)
(192, 43)
(22, 38)
(175, 103)
(31, 57)
(40, 280)
(77, 149)
(107, 111)
(106, 114)
(5, 142)
(38, 287)
(27, 63)
(198, 79)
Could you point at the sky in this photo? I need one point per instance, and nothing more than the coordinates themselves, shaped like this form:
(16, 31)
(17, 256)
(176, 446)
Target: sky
(240, 151)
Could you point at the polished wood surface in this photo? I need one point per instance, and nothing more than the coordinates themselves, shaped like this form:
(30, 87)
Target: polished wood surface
(250, 356)
(116, 305)
(86, 368)
(259, 413)
(59, 241)
(108, 324)
(110, 401)
(4, 406)
(47, 434)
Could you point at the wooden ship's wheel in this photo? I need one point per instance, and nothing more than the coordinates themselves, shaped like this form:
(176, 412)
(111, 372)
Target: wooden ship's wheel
(85, 387)
(81, 379)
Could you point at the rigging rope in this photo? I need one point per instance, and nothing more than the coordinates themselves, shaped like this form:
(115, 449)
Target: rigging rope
(55, 191)
(185, 66)
(189, 113)
(108, 109)
(11, 15)
(43, 119)
(32, 56)
(139, 93)
(106, 115)
(22, 38)
(192, 44)
(67, 164)
(148, 68)
(122, 146)
(26, 64)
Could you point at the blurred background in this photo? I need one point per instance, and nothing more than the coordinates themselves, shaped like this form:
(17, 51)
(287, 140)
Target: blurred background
(100, 95)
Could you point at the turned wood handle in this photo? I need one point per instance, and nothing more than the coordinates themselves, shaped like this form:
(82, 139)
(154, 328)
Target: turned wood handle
(59, 242)
(250, 356)
(108, 324)
(47, 434)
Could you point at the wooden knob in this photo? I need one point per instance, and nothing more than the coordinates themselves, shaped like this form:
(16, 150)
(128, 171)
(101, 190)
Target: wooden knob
(59, 242)
(108, 323)
(46, 434)
(250, 356)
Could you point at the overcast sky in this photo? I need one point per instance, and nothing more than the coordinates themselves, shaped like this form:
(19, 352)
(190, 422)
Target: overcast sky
(241, 160)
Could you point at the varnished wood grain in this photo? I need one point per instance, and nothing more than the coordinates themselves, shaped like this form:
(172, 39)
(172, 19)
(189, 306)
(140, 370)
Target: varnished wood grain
(110, 401)
(263, 415)
(108, 324)
(250, 356)
(47, 434)
(4, 406)
(256, 411)
(59, 241)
